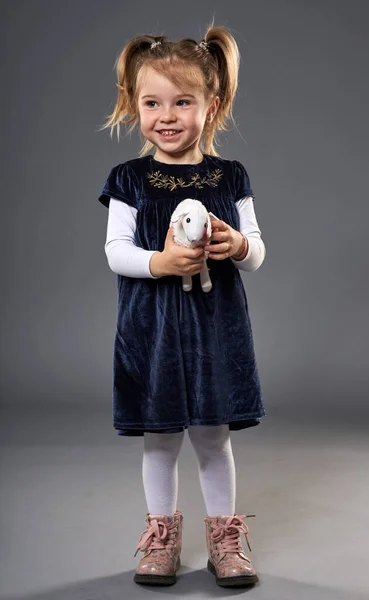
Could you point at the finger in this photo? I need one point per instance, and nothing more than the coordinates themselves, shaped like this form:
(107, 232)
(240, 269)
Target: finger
(221, 238)
(218, 248)
(218, 224)
(193, 253)
(221, 256)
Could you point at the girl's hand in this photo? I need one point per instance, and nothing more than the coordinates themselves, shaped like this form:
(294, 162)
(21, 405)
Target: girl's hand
(230, 240)
(179, 260)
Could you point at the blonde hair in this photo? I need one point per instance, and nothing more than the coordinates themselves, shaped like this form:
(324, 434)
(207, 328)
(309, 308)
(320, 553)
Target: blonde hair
(213, 66)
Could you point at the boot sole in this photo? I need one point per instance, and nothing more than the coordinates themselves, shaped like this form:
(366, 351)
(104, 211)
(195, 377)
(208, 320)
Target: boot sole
(239, 580)
(157, 579)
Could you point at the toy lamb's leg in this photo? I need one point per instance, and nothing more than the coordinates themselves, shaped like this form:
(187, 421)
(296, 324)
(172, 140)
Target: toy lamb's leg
(204, 275)
(204, 278)
(187, 283)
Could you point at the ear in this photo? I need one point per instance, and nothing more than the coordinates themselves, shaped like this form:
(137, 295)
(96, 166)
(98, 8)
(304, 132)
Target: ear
(177, 215)
(213, 108)
(213, 216)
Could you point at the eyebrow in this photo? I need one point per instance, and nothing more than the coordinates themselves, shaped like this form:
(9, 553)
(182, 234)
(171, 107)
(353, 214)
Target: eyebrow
(177, 96)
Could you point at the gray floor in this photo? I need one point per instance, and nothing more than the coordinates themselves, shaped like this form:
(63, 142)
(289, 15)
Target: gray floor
(72, 510)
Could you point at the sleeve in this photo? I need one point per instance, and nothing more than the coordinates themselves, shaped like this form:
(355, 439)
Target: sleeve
(242, 186)
(124, 257)
(249, 227)
(121, 184)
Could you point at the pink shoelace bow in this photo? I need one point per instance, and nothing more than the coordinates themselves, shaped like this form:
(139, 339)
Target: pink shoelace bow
(157, 535)
(228, 533)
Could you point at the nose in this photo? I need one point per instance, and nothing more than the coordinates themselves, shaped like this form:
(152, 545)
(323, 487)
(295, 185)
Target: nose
(168, 117)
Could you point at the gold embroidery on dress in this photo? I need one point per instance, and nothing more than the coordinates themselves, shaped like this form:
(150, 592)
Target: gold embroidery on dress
(159, 180)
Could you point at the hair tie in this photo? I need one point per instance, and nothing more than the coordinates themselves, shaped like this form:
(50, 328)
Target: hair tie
(154, 44)
(204, 45)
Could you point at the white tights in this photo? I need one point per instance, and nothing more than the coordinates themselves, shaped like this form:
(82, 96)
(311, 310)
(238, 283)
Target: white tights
(212, 445)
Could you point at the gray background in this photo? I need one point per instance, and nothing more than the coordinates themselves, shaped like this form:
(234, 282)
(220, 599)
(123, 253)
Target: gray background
(302, 132)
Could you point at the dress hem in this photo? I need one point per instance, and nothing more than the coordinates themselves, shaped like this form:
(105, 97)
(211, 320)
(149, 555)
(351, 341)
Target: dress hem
(138, 429)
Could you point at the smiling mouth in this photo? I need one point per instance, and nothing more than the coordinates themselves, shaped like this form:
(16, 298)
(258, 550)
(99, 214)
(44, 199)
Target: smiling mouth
(169, 132)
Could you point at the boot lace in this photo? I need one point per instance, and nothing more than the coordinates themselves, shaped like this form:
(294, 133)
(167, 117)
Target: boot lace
(158, 535)
(228, 533)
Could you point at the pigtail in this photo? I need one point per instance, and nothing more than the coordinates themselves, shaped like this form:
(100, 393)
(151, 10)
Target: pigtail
(127, 65)
(222, 47)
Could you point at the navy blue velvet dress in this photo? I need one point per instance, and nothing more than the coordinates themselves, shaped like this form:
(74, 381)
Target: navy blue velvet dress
(182, 358)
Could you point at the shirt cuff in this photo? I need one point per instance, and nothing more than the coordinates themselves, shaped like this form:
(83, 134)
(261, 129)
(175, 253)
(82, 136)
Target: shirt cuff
(254, 257)
(124, 258)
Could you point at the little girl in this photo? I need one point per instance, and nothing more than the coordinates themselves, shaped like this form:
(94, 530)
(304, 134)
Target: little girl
(182, 360)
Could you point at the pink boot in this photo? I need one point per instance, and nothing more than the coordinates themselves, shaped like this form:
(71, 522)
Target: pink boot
(227, 560)
(161, 543)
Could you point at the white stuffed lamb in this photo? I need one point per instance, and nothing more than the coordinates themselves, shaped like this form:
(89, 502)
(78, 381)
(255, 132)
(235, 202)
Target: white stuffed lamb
(192, 228)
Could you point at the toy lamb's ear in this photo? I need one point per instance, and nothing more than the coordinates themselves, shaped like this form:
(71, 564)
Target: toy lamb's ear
(214, 217)
(209, 228)
(177, 215)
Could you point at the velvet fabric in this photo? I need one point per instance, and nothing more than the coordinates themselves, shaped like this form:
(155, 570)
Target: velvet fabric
(182, 358)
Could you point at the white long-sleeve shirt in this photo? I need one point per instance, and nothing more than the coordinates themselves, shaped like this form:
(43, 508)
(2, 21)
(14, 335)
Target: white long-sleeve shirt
(125, 258)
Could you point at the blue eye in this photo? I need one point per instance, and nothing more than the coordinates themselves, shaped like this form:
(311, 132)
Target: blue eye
(152, 103)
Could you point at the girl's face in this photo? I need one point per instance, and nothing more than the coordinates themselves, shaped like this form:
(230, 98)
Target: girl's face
(172, 119)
